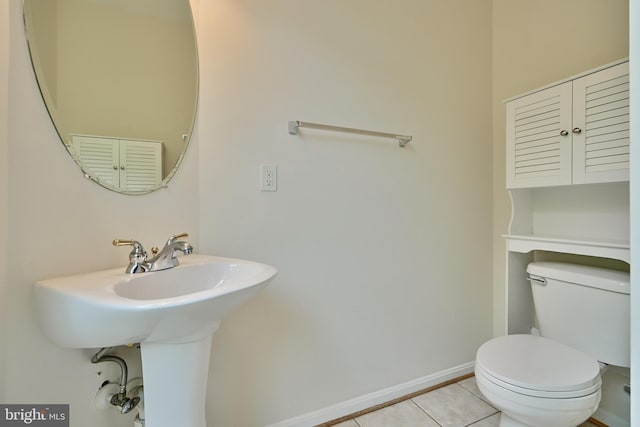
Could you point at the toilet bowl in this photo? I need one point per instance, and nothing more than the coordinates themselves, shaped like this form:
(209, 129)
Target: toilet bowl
(538, 382)
(553, 380)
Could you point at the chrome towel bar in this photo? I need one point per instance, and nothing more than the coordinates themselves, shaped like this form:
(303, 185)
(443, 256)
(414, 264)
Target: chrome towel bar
(403, 140)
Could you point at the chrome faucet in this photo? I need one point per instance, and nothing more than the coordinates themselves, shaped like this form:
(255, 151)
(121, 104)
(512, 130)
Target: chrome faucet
(161, 260)
(167, 256)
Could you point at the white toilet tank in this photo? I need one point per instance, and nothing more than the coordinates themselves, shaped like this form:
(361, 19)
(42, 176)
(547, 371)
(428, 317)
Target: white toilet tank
(584, 307)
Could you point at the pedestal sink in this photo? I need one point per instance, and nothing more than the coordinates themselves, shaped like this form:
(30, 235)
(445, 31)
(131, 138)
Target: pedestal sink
(171, 313)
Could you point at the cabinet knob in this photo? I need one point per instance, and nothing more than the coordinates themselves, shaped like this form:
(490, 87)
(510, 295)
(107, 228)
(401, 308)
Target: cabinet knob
(564, 132)
(121, 167)
(115, 167)
(577, 131)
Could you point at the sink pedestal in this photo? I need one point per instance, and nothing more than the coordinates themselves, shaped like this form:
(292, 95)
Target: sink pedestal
(175, 382)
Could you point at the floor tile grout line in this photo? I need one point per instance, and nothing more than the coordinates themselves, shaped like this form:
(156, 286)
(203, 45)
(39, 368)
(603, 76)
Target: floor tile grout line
(483, 418)
(478, 395)
(425, 411)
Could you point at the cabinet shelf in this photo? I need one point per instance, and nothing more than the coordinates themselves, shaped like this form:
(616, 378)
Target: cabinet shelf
(604, 248)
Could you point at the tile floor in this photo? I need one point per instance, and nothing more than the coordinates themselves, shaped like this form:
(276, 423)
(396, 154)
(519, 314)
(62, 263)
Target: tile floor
(456, 405)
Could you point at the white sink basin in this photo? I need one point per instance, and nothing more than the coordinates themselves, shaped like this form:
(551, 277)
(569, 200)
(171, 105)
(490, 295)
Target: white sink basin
(110, 308)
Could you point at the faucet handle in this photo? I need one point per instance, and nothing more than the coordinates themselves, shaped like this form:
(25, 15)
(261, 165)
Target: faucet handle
(137, 246)
(137, 253)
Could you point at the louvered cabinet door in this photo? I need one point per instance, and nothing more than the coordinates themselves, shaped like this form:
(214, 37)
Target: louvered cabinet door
(141, 165)
(98, 157)
(601, 126)
(539, 138)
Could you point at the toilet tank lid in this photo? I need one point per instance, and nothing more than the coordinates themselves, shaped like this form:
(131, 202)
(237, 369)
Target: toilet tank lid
(594, 277)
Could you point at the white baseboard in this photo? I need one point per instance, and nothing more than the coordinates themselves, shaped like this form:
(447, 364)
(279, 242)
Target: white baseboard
(372, 399)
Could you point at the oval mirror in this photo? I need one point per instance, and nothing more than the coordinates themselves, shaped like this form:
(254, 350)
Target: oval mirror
(120, 81)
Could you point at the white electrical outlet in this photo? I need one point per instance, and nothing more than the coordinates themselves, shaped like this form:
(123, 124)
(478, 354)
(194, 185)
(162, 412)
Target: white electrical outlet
(268, 178)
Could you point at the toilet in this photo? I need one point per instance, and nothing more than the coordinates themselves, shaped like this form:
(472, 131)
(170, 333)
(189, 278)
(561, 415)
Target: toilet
(553, 379)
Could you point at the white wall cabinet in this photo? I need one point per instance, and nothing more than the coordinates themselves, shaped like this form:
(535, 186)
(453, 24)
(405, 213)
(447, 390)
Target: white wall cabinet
(124, 164)
(572, 132)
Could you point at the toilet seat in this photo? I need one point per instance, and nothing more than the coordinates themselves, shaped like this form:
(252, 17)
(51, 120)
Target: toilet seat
(536, 366)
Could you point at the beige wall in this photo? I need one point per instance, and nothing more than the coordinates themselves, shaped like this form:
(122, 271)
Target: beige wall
(534, 44)
(4, 104)
(383, 253)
